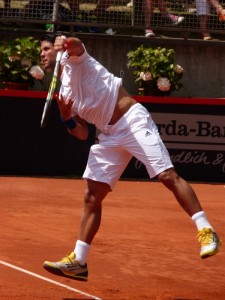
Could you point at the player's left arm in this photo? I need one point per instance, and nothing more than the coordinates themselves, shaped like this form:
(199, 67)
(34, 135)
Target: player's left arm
(80, 131)
(75, 125)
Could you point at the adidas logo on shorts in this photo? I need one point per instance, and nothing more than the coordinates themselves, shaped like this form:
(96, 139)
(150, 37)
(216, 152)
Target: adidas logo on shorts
(147, 133)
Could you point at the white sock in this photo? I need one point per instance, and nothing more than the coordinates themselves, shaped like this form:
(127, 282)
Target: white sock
(200, 220)
(81, 251)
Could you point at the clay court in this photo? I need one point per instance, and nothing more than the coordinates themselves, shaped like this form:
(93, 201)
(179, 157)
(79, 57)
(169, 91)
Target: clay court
(146, 247)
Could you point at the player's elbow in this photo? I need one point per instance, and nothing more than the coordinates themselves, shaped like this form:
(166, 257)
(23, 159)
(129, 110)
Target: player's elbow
(81, 133)
(83, 136)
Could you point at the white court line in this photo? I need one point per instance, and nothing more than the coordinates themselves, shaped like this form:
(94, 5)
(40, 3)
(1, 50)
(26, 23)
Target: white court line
(49, 280)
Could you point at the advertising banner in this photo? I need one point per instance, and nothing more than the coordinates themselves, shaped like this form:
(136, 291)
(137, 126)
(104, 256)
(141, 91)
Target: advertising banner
(195, 138)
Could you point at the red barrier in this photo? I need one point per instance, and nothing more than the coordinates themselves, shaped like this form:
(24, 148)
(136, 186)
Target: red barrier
(141, 99)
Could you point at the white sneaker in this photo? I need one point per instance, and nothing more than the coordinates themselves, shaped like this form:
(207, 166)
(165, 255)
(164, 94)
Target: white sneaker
(210, 242)
(130, 4)
(149, 33)
(191, 10)
(110, 31)
(206, 36)
(175, 19)
(68, 267)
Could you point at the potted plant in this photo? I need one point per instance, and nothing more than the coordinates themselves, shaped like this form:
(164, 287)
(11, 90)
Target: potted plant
(155, 70)
(18, 57)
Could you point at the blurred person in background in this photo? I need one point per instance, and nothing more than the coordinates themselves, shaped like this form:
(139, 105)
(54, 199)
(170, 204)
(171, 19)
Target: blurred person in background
(149, 6)
(44, 9)
(203, 11)
(48, 60)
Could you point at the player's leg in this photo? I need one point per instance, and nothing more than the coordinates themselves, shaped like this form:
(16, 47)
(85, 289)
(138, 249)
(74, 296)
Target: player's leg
(91, 217)
(148, 11)
(203, 12)
(187, 198)
(75, 265)
(183, 192)
(104, 167)
(148, 148)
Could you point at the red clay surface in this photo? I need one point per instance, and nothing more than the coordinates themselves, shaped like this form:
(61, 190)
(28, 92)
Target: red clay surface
(146, 247)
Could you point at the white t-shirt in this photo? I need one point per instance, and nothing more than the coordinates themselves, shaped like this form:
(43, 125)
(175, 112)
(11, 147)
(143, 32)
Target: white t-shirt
(93, 89)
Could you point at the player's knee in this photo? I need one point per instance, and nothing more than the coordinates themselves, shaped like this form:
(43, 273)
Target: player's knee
(93, 199)
(169, 178)
(94, 194)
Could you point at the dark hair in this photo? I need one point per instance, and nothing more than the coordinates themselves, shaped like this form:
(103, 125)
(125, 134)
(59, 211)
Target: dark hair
(49, 37)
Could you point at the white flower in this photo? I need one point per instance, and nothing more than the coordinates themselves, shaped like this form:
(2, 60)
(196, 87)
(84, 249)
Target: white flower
(146, 76)
(163, 84)
(26, 62)
(178, 69)
(141, 75)
(37, 72)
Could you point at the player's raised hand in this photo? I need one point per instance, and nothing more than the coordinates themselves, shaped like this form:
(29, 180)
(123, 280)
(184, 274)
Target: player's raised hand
(65, 106)
(73, 45)
(60, 43)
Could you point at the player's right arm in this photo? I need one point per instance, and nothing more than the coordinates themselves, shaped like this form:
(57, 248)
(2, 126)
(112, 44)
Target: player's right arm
(73, 45)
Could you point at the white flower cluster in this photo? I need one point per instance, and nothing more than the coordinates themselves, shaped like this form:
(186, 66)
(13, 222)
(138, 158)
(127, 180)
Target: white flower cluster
(24, 61)
(146, 76)
(178, 69)
(163, 84)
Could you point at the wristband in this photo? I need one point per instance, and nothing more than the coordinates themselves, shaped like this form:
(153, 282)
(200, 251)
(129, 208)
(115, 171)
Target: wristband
(70, 123)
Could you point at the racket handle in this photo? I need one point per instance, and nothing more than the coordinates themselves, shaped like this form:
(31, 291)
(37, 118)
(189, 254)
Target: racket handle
(59, 55)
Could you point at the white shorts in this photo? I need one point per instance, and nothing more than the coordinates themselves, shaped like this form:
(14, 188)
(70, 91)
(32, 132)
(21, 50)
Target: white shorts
(135, 134)
(202, 7)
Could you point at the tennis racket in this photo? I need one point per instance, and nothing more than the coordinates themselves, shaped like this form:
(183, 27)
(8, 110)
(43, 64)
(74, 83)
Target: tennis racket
(51, 91)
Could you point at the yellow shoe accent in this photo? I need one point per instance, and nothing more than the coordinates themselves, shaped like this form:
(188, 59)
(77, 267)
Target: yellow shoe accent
(68, 259)
(68, 267)
(210, 242)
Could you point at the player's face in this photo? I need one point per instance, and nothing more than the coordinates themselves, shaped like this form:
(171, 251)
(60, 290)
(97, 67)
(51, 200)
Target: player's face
(48, 56)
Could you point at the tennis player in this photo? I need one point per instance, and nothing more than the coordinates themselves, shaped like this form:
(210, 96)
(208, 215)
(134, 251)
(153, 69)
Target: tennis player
(90, 93)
